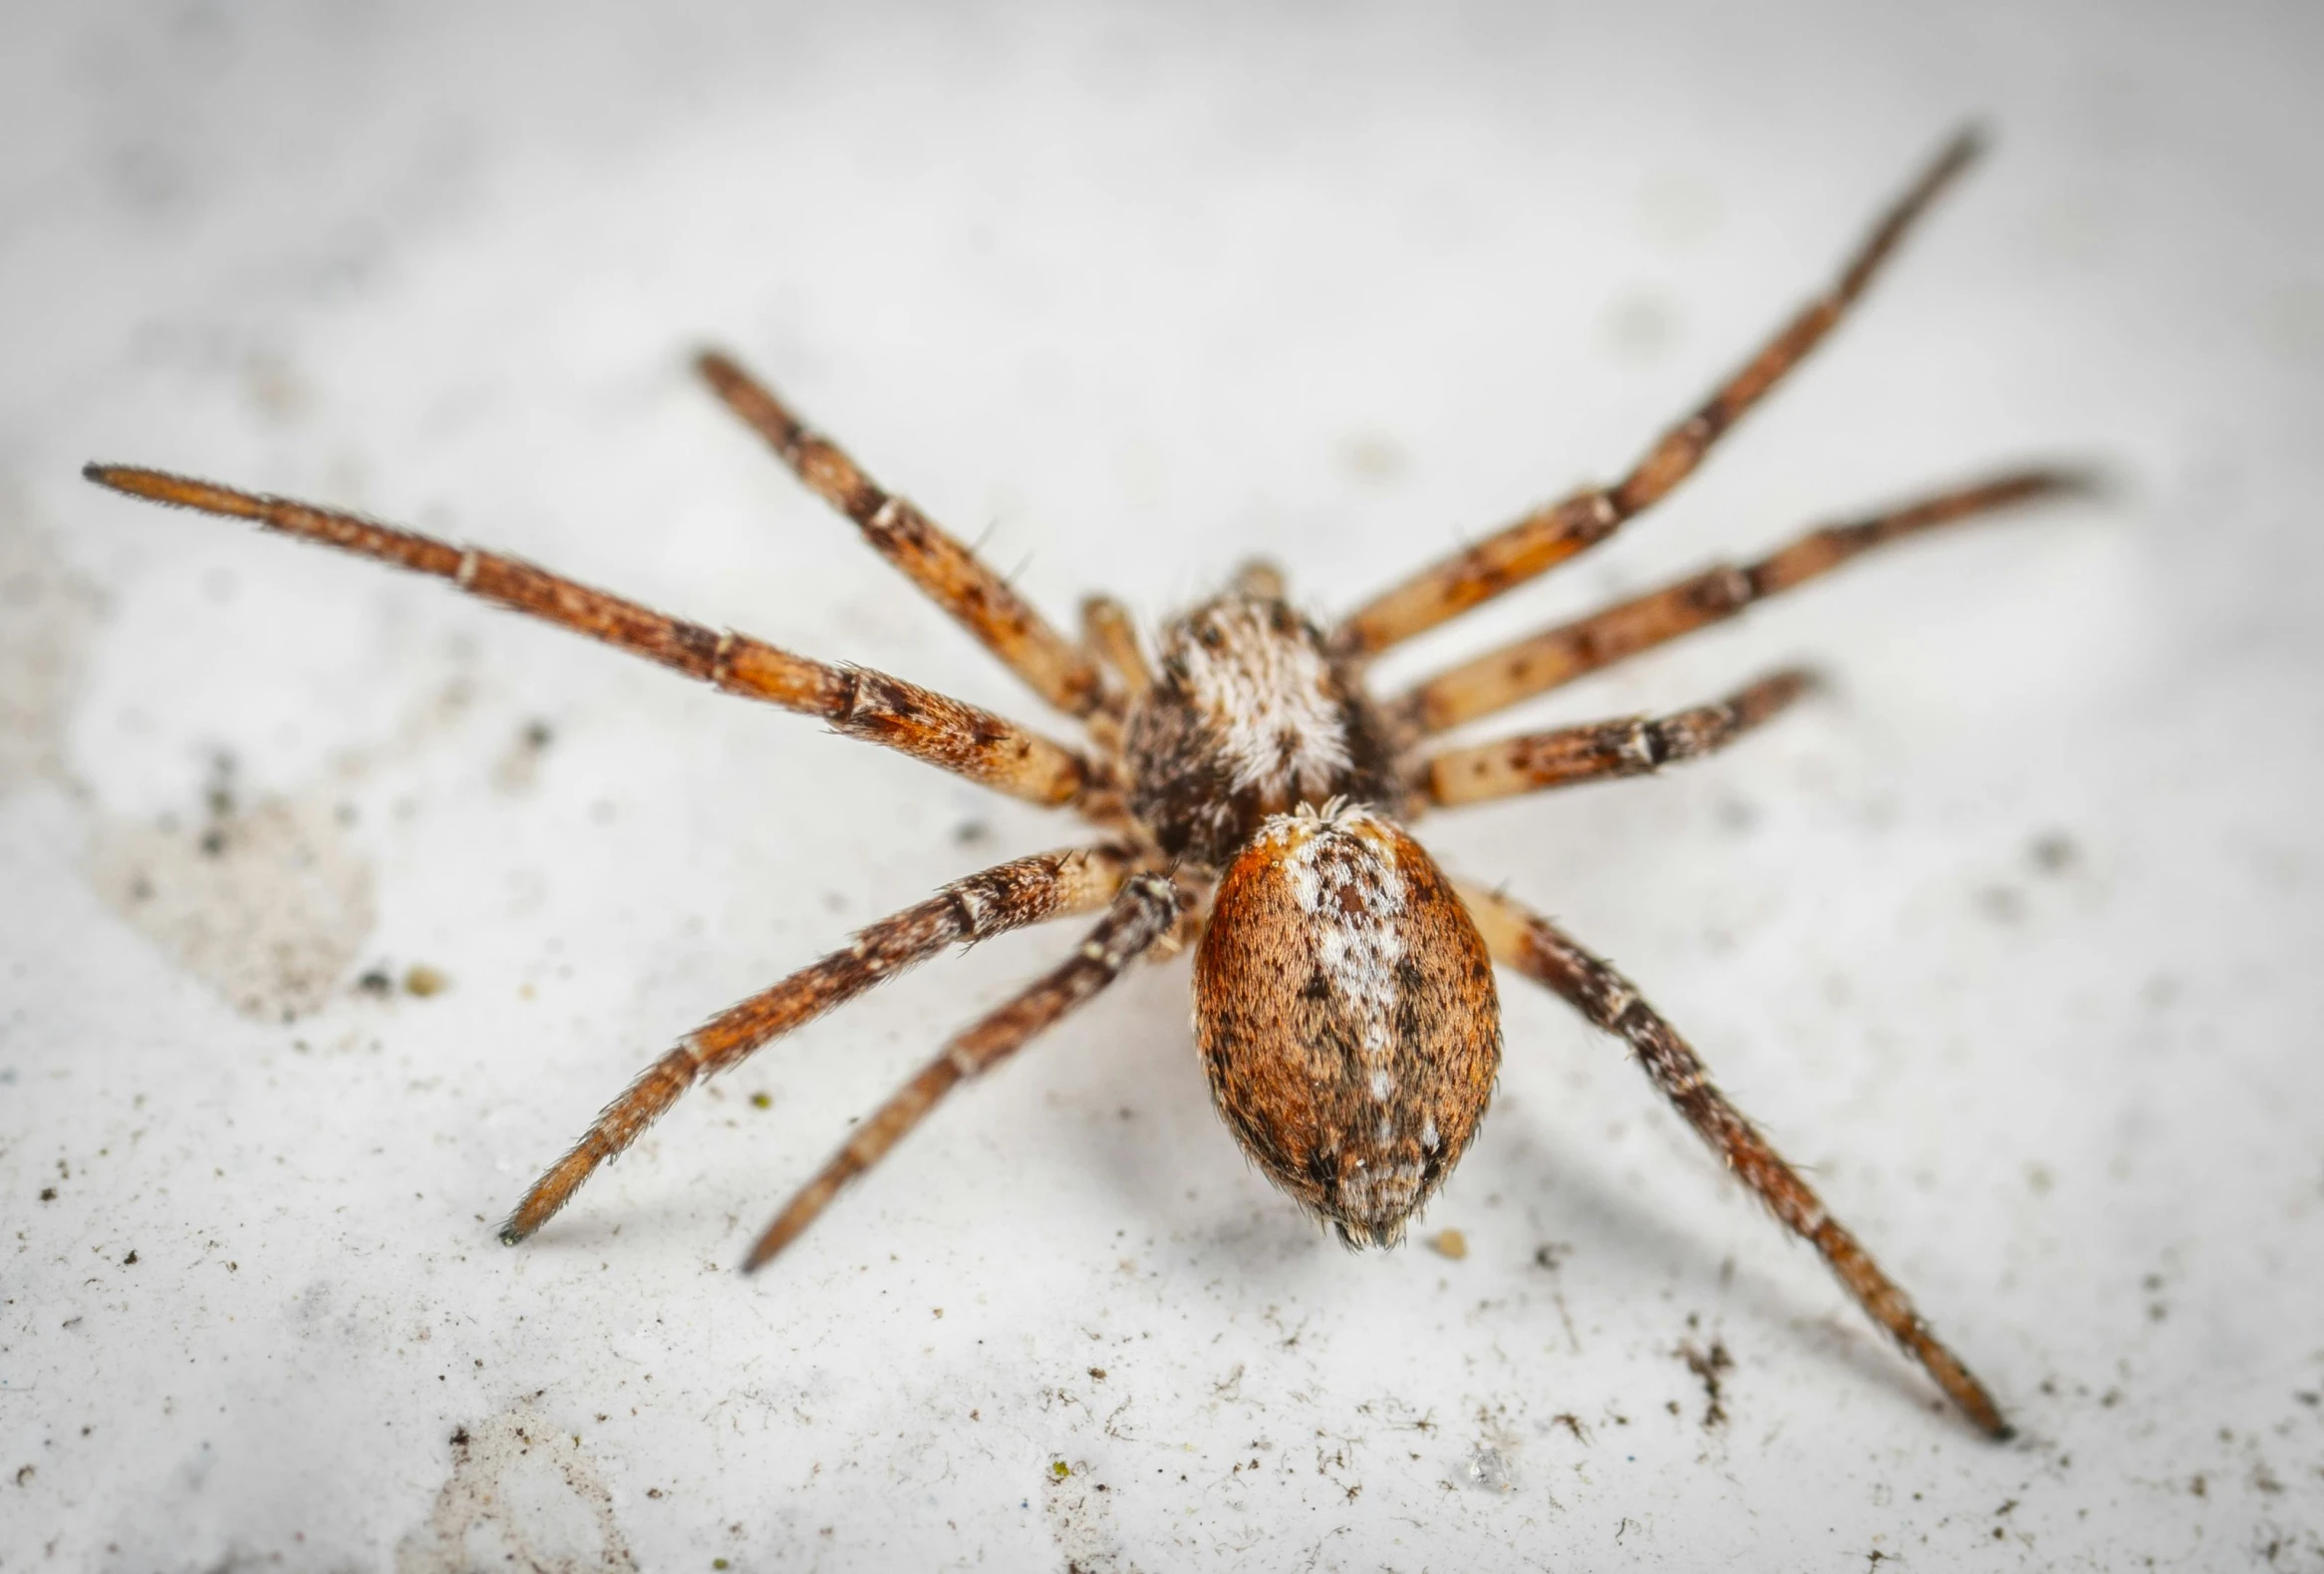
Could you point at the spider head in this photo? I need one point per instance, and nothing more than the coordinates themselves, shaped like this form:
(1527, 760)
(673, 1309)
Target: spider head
(1249, 716)
(1347, 1016)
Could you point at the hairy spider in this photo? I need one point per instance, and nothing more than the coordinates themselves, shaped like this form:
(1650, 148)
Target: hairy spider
(1249, 795)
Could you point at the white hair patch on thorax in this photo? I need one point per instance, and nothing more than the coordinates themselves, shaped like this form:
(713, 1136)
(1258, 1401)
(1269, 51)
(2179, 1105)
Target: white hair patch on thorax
(1270, 697)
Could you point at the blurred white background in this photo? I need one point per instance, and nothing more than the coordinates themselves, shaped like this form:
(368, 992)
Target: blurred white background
(2012, 939)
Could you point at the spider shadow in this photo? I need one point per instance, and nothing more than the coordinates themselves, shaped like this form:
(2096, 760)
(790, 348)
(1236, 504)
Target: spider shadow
(1603, 1224)
(1259, 1239)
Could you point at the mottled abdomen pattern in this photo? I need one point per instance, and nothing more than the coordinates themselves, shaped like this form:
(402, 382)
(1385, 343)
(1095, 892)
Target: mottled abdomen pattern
(1347, 1016)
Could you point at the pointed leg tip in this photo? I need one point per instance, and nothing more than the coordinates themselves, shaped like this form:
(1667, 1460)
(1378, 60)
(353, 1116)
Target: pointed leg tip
(717, 368)
(1970, 142)
(128, 480)
(511, 1235)
(2094, 482)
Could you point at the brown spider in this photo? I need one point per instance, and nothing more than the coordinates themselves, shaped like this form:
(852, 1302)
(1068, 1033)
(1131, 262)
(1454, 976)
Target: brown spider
(1250, 796)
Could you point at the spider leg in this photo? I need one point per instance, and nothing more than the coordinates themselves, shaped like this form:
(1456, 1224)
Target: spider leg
(1259, 578)
(1518, 671)
(977, 598)
(1004, 897)
(1108, 632)
(1555, 531)
(1143, 914)
(1601, 751)
(945, 731)
(1542, 951)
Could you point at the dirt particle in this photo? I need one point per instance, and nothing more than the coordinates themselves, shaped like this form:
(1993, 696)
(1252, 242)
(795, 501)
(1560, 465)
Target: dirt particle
(421, 981)
(2054, 852)
(1710, 1367)
(1489, 1469)
(1096, 1372)
(761, 1100)
(2003, 904)
(1449, 1243)
(48, 1193)
(519, 764)
(24, 1474)
(130, 1261)
(1372, 458)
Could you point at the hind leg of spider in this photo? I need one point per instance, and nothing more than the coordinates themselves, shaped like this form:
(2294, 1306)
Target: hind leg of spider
(1601, 751)
(1501, 678)
(1550, 534)
(1531, 945)
(1145, 911)
(1004, 897)
(953, 576)
(942, 730)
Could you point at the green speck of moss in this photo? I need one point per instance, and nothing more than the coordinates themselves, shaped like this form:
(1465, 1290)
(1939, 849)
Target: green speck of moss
(1060, 1469)
(760, 1101)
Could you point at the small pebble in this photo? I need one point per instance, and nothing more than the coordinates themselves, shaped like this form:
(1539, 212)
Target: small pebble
(1449, 1243)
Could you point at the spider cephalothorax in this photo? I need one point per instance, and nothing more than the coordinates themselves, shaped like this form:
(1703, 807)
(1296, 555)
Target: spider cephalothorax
(1249, 715)
(1248, 791)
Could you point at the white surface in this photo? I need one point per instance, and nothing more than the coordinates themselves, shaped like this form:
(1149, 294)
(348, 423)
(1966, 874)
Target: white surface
(1128, 299)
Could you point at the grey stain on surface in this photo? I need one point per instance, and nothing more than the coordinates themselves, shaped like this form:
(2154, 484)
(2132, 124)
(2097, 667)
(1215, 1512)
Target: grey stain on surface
(520, 1496)
(47, 613)
(267, 905)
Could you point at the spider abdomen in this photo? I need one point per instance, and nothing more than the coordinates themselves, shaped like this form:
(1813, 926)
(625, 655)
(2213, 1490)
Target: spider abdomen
(1347, 1016)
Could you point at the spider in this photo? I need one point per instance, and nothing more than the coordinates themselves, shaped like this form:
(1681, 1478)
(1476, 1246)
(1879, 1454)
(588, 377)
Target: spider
(1249, 795)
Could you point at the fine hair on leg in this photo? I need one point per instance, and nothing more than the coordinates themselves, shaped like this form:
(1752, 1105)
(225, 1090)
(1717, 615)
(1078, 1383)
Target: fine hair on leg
(1543, 952)
(944, 731)
(953, 576)
(1603, 750)
(1540, 662)
(1550, 534)
(1143, 914)
(1004, 897)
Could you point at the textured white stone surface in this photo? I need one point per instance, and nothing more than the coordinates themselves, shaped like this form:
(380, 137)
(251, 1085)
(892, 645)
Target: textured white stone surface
(2014, 939)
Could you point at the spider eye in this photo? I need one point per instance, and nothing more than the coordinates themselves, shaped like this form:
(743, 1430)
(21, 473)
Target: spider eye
(1210, 636)
(1345, 1010)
